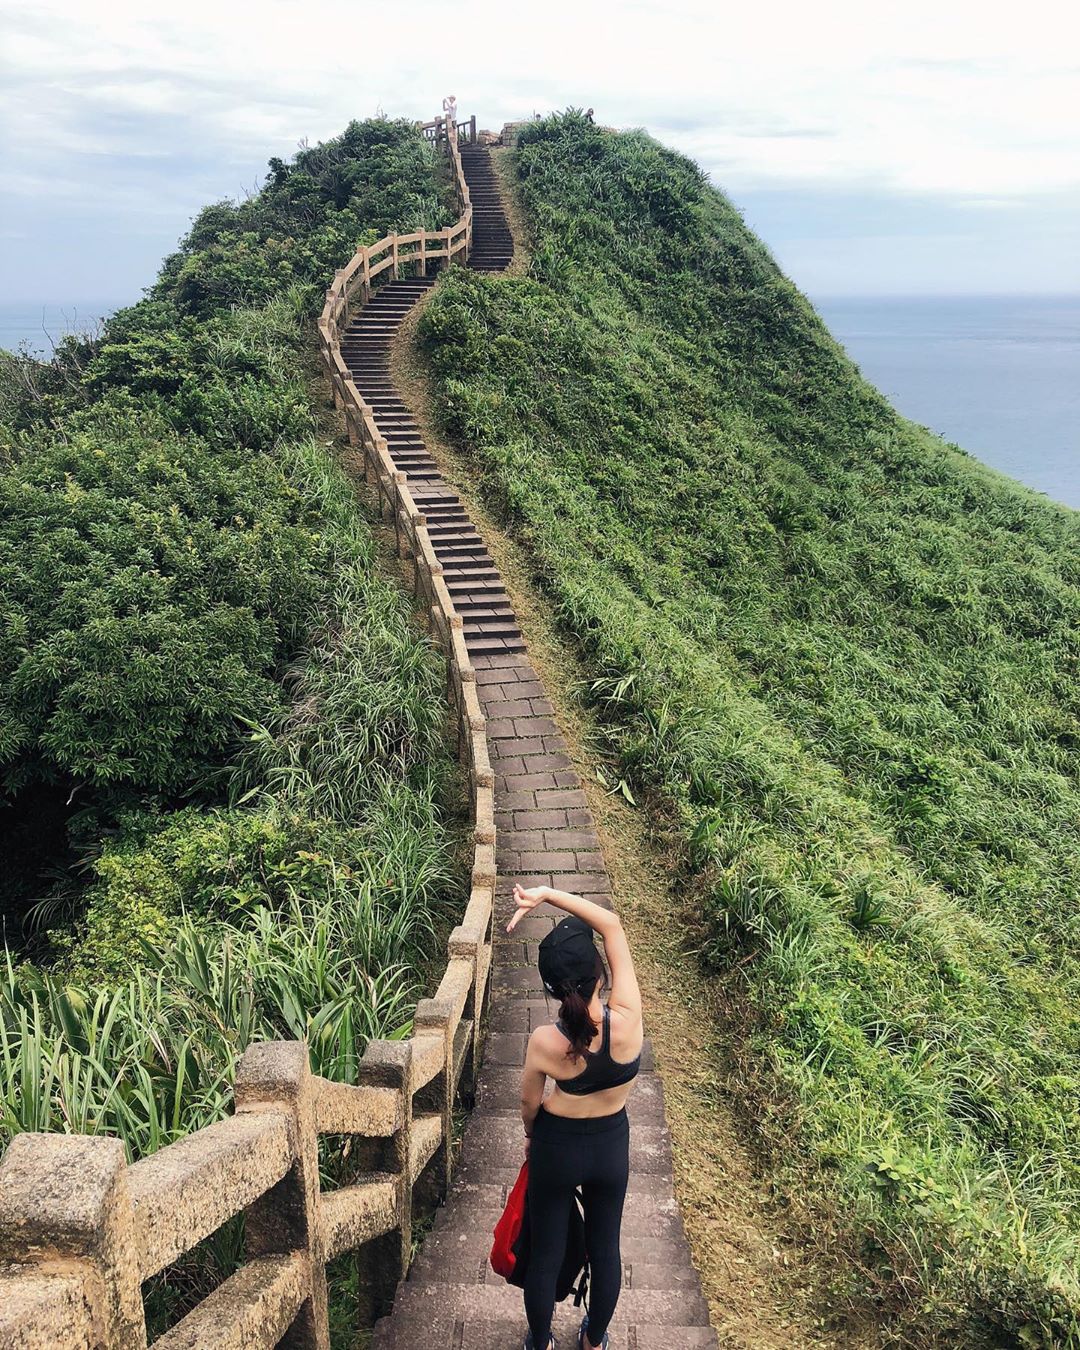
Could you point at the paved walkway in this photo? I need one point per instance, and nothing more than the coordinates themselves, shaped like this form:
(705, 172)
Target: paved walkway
(545, 834)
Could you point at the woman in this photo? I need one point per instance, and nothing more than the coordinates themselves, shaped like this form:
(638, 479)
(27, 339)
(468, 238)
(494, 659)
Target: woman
(579, 1135)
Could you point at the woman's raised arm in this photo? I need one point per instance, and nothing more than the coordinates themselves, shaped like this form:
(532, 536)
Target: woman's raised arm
(625, 997)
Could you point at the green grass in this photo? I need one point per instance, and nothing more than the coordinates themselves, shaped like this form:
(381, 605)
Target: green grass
(838, 658)
(200, 657)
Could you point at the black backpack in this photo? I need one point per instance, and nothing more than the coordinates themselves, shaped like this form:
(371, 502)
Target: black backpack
(574, 1271)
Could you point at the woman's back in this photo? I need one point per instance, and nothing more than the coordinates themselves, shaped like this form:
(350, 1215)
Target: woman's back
(598, 1082)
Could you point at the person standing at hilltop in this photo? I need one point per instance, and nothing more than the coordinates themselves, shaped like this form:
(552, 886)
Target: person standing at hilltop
(579, 1135)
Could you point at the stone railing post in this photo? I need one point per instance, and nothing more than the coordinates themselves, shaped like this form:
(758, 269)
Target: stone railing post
(463, 943)
(431, 1019)
(64, 1205)
(383, 1262)
(275, 1076)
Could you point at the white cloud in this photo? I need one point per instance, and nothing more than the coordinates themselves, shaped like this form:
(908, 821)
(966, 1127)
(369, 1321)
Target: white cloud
(953, 97)
(957, 100)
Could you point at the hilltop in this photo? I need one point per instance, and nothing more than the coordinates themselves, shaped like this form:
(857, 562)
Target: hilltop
(836, 660)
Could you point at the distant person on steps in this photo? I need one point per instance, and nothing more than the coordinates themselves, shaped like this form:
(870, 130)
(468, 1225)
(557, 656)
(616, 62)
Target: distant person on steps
(579, 1135)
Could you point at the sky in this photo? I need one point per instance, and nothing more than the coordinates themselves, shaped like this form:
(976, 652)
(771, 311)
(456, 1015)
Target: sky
(877, 147)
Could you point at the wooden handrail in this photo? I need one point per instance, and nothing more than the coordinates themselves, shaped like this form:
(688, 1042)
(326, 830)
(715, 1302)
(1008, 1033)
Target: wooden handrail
(352, 287)
(80, 1230)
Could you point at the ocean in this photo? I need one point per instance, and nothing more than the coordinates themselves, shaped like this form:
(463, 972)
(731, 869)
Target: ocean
(999, 376)
(41, 325)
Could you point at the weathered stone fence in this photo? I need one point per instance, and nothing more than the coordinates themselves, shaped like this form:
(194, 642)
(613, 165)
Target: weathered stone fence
(81, 1230)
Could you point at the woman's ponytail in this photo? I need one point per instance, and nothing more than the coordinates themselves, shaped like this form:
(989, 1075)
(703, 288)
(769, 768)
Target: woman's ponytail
(574, 1012)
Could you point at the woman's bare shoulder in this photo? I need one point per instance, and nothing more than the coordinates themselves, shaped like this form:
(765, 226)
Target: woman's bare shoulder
(548, 1039)
(547, 1049)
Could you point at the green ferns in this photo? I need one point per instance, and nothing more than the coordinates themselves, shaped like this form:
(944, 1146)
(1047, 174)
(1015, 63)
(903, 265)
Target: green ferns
(840, 659)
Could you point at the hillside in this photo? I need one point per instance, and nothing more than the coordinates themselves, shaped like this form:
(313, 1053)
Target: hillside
(231, 809)
(837, 660)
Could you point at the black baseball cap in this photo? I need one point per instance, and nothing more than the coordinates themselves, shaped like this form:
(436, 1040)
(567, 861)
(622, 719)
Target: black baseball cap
(568, 955)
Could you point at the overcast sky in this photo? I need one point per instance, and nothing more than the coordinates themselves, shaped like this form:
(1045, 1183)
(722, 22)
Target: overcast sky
(878, 147)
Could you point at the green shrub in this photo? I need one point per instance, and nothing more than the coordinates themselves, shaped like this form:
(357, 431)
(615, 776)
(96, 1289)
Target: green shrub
(151, 588)
(164, 568)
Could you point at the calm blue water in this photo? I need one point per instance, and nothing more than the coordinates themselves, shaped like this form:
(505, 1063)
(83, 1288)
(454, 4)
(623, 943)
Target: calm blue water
(41, 325)
(999, 376)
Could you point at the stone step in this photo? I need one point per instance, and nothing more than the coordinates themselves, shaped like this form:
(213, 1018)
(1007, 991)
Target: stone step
(465, 552)
(672, 1308)
(490, 627)
(490, 646)
(639, 1273)
(466, 1333)
(473, 612)
(454, 1255)
(476, 1207)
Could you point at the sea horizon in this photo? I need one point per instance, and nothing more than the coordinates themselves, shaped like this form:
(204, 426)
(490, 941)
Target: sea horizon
(997, 375)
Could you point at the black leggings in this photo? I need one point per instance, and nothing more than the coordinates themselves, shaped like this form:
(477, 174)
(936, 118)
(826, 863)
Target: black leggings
(565, 1154)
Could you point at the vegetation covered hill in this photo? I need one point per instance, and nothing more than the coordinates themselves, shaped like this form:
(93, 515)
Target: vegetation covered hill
(222, 733)
(839, 660)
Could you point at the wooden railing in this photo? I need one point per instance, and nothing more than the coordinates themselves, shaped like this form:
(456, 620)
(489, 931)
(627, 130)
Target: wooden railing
(81, 1230)
(396, 255)
(436, 130)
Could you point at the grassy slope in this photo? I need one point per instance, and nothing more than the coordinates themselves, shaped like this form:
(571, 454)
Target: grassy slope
(197, 641)
(841, 656)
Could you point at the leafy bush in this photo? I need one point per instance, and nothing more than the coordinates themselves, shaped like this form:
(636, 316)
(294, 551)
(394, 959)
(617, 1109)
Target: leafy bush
(150, 590)
(193, 612)
(310, 218)
(163, 566)
(838, 658)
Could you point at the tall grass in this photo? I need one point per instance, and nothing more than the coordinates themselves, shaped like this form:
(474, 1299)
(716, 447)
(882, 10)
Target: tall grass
(153, 1058)
(837, 658)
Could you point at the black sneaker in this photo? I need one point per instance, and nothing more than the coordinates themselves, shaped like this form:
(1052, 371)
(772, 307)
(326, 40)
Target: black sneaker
(527, 1344)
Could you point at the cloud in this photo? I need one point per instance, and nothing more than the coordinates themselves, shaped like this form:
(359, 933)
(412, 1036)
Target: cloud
(158, 109)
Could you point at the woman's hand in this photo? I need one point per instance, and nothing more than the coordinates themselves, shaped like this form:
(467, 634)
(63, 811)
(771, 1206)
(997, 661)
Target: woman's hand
(526, 900)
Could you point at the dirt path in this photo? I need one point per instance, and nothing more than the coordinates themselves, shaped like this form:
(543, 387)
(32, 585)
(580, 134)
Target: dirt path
(765, 1285)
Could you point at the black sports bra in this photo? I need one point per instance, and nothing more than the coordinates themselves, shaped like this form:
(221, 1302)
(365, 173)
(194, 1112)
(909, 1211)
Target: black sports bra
(600, 1071)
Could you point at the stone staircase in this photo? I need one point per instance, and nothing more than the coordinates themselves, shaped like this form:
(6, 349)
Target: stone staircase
(545, 835)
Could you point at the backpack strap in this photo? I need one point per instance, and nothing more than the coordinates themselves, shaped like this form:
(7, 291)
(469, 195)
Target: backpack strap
(581, 1293)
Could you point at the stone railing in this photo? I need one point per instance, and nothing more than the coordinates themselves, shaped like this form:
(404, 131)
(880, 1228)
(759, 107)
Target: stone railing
(81, 1230)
